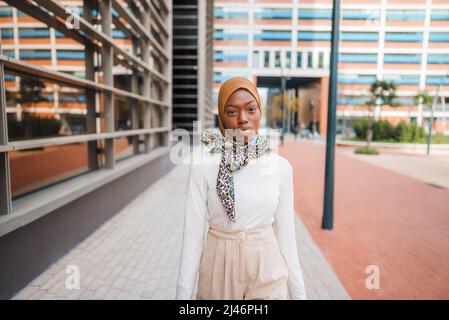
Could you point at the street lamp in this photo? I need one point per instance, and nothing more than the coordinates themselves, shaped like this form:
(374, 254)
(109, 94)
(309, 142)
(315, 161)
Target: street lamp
(328, 212)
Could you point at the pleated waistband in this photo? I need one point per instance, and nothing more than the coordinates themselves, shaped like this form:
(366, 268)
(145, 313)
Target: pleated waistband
(259, 233)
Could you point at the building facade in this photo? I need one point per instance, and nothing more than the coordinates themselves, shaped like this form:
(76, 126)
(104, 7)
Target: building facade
(406, 42)
(85, 121)
(192, 63)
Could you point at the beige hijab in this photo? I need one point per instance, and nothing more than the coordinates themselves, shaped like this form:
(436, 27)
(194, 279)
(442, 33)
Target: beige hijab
(228, 88)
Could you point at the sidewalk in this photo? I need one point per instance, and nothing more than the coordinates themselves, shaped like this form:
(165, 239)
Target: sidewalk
(135, 255)
(381, 217)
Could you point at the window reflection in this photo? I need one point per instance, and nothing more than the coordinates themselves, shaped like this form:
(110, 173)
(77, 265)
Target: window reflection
(37, 108)
(40, 167)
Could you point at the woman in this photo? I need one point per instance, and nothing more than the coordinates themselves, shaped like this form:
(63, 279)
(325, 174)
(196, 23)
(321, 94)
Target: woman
(243, 197)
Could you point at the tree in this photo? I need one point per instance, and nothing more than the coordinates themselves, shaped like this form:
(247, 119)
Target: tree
(381, 93)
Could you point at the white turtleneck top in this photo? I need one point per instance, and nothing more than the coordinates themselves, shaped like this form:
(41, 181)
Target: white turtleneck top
(263, 195)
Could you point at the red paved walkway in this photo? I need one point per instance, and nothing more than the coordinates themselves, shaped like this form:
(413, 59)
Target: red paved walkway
(381, 218)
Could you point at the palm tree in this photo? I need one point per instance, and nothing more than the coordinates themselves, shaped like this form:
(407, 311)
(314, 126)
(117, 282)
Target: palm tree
(381, 93)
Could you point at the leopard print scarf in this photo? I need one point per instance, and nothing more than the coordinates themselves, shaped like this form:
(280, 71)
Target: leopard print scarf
(235, 155)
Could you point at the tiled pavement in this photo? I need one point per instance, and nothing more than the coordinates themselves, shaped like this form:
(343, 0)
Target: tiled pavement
(135, 255)
(390, 212)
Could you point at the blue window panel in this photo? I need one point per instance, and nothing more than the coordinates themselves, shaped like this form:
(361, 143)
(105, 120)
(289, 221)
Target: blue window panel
(9, 53)
(360, 36)
(21, 14)
(230, 57)
(314, 14)
(69, 98)
(9, 77)
(7, 34)
(70, 55)
(35, 54)
(218, 56)
(273, 14)
(350, 57)
(356, 79)
(406, 15)
(5, 12)
(352, 100)
(314, 35)
(224, 77)
(437, 80)
(119, 34)
(360, 15)
(403, 36)
(273, 35)
(59, 34)
(402, 79)
(438, 58)
(402, 58)
(221, 14)
(34, 33)
(440, 15)
(220, 35)
(439, 36)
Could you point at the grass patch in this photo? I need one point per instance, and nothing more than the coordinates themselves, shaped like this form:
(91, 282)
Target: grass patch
(365, 150)
(437, 139)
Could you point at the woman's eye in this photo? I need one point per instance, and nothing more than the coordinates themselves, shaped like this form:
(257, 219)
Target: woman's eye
(231, 113)
(252, 109)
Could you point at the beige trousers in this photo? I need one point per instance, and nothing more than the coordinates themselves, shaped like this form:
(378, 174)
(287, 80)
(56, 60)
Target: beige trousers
(242, 265)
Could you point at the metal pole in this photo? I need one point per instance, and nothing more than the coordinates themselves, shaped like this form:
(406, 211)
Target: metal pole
(434, 102)
(328, 212)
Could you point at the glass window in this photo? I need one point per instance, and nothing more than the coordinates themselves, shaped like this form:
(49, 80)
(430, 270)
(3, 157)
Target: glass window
(438, 59)
(309, 59)
(360, 36)
(320, 60)
(298, 59)
(440, 15)
(405, 15)
(256, 59)
(272, 13)
(314, 36)
(403, 36)
(358, 57)
(230, 13)
(40, 167)
(5, 12)
(356, 79)
(360, 14)
(70, 55)
(402, 58)
(266, 59)
(273, 35)
(35, 54)
(277, 59)
(438, 36)
(402, 79)
(34, 33)
(288, 59)
(315, 14)
(7, 33)
(38, 109)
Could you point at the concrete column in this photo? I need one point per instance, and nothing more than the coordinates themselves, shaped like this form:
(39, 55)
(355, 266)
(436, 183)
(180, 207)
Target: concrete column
(107, 64)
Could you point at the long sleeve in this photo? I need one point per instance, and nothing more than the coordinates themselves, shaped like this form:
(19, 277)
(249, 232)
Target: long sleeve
(285, 232)
(193, 233)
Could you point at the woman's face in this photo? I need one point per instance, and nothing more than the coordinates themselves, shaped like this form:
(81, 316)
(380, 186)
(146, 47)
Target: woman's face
(242, 112)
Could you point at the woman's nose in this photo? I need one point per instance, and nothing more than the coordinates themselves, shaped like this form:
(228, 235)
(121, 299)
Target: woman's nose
(242, 117)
